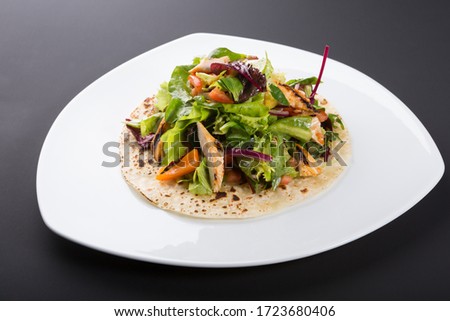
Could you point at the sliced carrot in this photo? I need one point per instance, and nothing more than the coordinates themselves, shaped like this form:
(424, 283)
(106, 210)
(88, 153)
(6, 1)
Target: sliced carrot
(196, 83)
(220, 96)
(186, 165)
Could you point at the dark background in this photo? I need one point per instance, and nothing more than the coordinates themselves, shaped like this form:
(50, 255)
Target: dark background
(51, 50)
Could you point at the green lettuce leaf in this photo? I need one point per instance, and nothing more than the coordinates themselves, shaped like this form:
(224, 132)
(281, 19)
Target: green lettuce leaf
(235, 132)
(257, 98)
(297, 127)
(251, 124)
(248, 167)
(280, 157)
(209, 79)
(174, 147)
(272, 119)
(200, 182)
(264, 170)
(253, 109)
(180, 93)
(232, 85)
(135, 123)
(163, 97)
(175, 137)
(196, 60)
(176, 109)
(225, 128)
(199, 112)
(262, 175)
(150, 125)
(178, 85)
(264, 65)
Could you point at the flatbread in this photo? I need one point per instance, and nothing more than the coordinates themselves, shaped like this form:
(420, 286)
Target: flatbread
(232, 202)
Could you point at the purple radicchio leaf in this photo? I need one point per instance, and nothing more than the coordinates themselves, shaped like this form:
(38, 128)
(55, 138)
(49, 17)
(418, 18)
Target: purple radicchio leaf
(143, 142)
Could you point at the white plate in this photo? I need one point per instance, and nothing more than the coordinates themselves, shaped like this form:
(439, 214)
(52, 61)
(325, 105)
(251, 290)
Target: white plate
(395, 164)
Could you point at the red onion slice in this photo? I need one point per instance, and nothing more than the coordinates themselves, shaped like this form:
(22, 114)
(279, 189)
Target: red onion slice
(279, 112)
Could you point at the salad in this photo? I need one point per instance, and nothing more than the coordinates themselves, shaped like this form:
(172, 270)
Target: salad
(230, 119)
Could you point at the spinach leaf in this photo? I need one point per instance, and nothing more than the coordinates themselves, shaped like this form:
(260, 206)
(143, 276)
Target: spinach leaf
(302, 81)
(278, 95)
(331, 136)
(221, 52)
(317, 106)
(336, 119)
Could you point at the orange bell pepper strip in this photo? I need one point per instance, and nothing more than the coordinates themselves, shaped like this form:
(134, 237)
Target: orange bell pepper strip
(186, 165)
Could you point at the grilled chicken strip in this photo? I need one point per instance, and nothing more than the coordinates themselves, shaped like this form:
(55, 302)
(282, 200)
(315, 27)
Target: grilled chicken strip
(213, 151)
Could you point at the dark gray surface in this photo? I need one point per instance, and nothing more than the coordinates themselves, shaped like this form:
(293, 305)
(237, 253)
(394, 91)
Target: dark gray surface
(51, 50)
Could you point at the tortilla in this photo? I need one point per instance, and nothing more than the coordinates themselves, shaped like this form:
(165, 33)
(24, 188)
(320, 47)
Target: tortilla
(232, 202)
